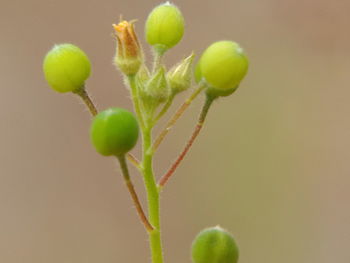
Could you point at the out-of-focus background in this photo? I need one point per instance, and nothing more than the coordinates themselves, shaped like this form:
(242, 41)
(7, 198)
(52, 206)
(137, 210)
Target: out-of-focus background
(271, 165)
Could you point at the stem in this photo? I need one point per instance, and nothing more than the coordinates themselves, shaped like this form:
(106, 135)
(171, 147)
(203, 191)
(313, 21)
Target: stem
(132, 159)
(176, 116)
(152, 197)
(135, 199)
(208, 102)
(165, 108)
(136, 99)
(83, 94)
(158, 55)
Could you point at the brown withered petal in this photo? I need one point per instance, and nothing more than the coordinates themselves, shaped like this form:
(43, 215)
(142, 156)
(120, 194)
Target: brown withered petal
(127, 39)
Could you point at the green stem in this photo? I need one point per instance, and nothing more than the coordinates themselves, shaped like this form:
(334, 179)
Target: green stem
(152, 197)
(136, 99)
(165, 108)
(158, 55)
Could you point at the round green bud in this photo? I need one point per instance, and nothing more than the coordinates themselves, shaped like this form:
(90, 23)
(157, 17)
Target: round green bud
(164, 27)
(66, 68)
(214, 245)
(114, 132)
(222, 66)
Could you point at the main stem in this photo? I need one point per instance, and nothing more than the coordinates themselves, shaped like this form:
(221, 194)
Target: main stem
(152, 196)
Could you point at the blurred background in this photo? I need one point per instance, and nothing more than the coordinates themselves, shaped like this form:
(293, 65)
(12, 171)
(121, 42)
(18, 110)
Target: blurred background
(271, 165)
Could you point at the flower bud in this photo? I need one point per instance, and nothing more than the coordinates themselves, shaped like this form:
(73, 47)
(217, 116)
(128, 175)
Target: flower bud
(180, 76)
(164, 27)
(129, 56)
(66, 68)
(157, 89)
(222, 66)
(142, 76)
(214, 245)
(114, 132)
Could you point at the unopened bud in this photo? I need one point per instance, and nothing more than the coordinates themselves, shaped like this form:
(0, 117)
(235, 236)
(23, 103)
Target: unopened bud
(157, 89)
(180, 76)
(222, 66)
(129, 56)
(66, 68)
(214, 245)
(164, 27)
(142, 76)
(114, 131)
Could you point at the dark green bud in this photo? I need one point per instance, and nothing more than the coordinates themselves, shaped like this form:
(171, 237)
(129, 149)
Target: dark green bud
(66, 68)
(214, 245)
(114, 132)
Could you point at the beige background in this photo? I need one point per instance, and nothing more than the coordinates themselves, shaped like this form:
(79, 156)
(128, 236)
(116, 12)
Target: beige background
(272, 164)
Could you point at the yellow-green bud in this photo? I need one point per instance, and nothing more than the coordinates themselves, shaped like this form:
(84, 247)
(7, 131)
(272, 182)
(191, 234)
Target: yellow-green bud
(66, 68)
(157, 89)
(222, 66)
(164, 27)
(214, 245)
(129, 56)
(180, 76)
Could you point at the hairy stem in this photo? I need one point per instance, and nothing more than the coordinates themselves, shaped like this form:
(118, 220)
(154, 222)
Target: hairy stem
(136, 99)
(208, 102)
(135, 199)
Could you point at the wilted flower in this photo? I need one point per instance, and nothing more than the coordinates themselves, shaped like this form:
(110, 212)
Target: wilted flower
(129, 56)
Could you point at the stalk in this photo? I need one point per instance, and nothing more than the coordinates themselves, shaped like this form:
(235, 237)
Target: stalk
(164, 179)
(152, 196)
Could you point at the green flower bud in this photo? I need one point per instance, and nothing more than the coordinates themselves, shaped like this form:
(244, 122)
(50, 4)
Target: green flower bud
(164, 27)
(142, 76)
(157, 89)
(114, 132)
(214, 245)
(66, 68)
(222, 66)
(180, 76)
